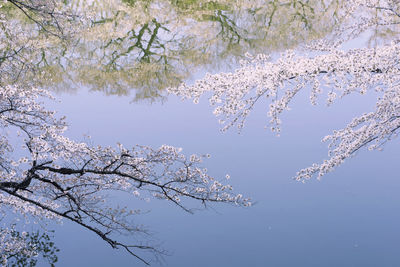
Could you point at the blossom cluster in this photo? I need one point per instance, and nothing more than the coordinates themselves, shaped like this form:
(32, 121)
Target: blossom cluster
(324, 65)
(14, 244)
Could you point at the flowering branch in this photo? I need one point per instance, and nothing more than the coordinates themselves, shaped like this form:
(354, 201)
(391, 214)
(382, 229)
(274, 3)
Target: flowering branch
(339, 72)
(61, 179)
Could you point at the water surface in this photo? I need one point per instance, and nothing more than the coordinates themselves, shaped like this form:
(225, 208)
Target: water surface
(349, 218)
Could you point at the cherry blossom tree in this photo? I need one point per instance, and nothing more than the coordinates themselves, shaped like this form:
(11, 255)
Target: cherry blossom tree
(323, 65)
(57, 178)
(45, 176)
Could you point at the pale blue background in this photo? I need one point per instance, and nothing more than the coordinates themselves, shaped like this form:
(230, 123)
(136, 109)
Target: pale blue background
(350, 218)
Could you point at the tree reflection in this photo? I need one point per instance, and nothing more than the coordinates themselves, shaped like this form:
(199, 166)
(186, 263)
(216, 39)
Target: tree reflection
(149, 45)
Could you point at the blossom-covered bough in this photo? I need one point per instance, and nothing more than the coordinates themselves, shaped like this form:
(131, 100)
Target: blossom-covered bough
(45, 176)
(57, 178)
(322, 65)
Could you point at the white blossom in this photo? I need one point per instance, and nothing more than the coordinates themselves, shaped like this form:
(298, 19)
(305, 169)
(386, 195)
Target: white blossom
(323, 65)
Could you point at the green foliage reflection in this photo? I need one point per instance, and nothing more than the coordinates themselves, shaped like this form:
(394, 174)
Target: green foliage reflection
(149, 45)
